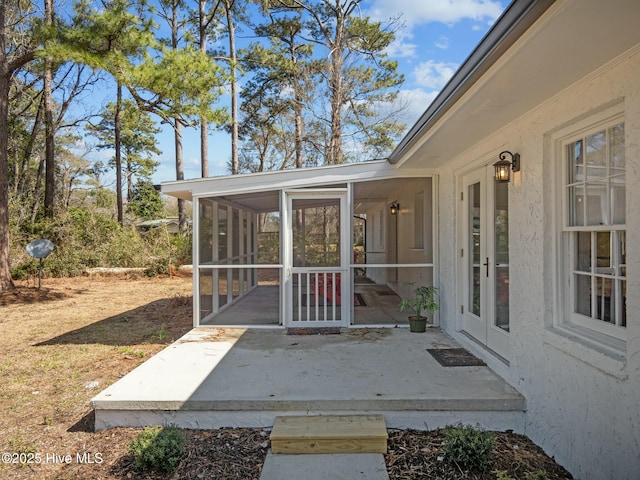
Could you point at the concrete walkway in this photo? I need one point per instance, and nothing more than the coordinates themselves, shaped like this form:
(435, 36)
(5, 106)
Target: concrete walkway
(214, 378)
(361, 466)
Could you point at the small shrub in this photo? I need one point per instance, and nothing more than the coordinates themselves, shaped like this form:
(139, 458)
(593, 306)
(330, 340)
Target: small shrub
(539, 475)
(468, 447)
(158, 448)
(502, 475)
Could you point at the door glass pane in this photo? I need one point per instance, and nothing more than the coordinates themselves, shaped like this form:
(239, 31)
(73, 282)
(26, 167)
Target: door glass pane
(616, 142)
(597, 203)
(603, 252)
(596, 155)
(576, 162)
(501, 227)
(474, 248)
(583, 295)
(576, 202)
(618, 194)
(623, 313)
(583, 258)
(605, 295)
(622, 253)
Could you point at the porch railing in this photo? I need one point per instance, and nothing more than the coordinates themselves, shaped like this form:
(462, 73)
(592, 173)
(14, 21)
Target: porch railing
(317, 294)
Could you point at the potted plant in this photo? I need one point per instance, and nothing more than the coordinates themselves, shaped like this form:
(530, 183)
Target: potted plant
(422, 300)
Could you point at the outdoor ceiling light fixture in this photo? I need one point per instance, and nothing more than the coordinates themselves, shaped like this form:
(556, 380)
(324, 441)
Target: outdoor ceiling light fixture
(502, 170)
(393, 208)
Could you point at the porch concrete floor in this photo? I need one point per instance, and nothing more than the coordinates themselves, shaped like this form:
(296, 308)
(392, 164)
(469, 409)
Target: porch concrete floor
(261, 307)
(216, 377)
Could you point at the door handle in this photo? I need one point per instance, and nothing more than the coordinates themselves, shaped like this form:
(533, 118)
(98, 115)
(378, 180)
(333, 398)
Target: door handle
(486, 265)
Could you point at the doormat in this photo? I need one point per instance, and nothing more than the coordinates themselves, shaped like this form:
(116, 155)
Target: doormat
(313, 331)
(358, 301)
(386, 292)
(455, 357)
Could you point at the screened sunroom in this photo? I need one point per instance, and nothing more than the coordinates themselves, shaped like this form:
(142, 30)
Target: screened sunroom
(315, 247)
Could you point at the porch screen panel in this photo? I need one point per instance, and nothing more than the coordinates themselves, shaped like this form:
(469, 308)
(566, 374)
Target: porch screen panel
(316, 281)
(205, 236)
(222, 232)
(316, 234)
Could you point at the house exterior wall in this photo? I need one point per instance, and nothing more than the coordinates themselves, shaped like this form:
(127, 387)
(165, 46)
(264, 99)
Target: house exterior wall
(582, 400)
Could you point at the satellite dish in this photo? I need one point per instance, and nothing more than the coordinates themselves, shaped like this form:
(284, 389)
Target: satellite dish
(40, 249)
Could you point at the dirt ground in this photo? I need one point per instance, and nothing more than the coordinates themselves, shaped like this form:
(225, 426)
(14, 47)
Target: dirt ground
(64, 343)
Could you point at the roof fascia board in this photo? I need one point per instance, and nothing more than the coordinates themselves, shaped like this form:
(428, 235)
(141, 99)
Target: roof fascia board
(285, 179)
(516, 20)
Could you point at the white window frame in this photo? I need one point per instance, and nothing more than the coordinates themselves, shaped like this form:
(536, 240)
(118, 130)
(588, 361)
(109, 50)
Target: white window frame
(602, 332)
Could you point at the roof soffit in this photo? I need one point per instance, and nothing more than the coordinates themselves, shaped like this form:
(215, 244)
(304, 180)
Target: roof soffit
(552, 55)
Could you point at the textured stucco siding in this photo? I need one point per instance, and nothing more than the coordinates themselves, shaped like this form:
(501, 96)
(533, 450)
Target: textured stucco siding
(583, 403)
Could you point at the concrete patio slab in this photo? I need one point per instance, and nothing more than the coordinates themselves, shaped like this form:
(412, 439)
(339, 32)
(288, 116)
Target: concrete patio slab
(324, 467)
(216, 377)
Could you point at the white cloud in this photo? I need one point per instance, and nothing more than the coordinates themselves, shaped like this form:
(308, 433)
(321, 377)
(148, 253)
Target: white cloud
(402, 47)
(446, 11)
(434, 75)
(411, 103)
(442, 43)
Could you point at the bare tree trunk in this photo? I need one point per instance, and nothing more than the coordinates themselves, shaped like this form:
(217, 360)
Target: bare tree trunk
(5, 266)
(117, 127)
(177, 128)
(182, 213)
(204, 124)
(36, 190)
(234, 87)
(335, 82)
(37, 124)
(129, 179)
(5, 270)
(49, 143)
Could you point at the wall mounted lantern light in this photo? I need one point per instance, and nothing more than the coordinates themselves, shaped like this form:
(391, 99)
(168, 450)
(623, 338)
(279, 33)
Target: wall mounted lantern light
(504, 167)
(393, 208)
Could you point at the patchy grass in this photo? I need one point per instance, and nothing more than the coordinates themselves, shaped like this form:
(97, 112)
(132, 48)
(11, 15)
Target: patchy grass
(62, 345)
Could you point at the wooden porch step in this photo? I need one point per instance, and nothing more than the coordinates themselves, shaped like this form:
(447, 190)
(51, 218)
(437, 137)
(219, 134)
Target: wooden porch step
(329, 434)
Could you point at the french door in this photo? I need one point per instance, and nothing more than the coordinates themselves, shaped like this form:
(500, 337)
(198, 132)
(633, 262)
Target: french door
(316, 257)
(484, 260)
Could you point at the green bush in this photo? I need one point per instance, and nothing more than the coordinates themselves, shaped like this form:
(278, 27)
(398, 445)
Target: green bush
(158, 448)
(85, 238)
(468, 447)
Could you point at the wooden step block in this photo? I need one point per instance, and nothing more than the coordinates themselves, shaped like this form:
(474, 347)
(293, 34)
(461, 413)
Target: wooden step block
(329, 434)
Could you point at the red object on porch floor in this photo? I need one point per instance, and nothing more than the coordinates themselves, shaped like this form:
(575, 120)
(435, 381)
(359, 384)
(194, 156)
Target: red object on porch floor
(328, 289)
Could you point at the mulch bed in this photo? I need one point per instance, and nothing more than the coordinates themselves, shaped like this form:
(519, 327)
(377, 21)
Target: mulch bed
(210, 454)
(416, 454)
(239, 454)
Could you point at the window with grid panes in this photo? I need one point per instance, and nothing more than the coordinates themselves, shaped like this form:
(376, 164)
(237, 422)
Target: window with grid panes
(594, 232)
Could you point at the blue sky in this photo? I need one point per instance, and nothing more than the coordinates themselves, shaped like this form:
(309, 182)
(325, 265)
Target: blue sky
(438, 35)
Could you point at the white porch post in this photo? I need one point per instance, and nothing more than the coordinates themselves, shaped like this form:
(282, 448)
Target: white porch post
(195, 260)
(286, 307)
(350, 259)
(215, 255)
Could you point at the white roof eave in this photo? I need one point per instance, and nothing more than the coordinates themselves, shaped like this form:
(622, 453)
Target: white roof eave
(281, 180)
